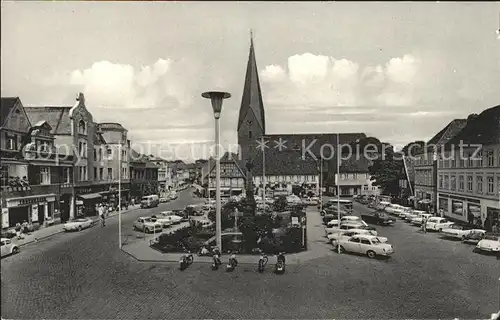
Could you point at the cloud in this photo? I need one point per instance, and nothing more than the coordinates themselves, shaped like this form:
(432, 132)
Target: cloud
(321, 80)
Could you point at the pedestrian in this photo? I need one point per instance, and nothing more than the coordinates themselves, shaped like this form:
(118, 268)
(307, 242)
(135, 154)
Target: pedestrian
(102, 215)
(494, 229)
(25, 227)
(424, 224)
(18, 231)
(487, 224)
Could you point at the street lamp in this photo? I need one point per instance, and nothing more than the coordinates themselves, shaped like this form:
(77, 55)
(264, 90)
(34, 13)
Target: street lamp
(216, 98)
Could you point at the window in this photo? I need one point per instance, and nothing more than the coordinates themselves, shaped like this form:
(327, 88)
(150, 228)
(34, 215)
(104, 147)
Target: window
(83, 173)
(95, 154)
(365, 241)
(479, 184)
(96, 177)
(250, 134)
(480, 159)
(345, 176)
(469, 183)
(446, 182)
(469, 160)
(82, 127)
(44, 175)
(491, 158)
(110, 153)
(82, 149)
(12, 142)
(446, 163)
(101, 173)
(440, 181)
(491, 185)
(354, 175)
(461, 183)
(100, 153)
(462, 162)
(356, 240)
(365, 188)
(453, 182)
(67, 175)
(110, 173)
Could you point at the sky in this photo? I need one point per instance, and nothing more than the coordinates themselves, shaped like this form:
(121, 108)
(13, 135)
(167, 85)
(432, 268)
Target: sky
(397, 71)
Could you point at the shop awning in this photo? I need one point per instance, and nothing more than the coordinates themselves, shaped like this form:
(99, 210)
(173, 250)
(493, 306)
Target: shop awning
(89, 196)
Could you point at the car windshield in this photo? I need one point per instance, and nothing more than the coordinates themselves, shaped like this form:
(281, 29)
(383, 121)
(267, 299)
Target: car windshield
(491, 237)
(149, 220)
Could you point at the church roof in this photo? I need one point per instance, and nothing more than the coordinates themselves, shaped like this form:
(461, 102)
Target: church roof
(8, 103)
(251, 100)
(284, 163)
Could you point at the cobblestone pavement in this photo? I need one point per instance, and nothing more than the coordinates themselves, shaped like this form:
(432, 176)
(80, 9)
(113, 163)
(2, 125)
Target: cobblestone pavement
(85, 275)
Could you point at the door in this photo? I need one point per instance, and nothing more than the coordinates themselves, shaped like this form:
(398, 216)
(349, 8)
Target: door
(352, 245)
(41, 213)
(364, 246)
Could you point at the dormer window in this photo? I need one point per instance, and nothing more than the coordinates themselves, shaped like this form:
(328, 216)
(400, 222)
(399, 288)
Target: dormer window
(82, 127)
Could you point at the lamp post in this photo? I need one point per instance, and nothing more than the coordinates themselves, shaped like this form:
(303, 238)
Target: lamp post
(120, 195)
(339, 154)
(216, 98)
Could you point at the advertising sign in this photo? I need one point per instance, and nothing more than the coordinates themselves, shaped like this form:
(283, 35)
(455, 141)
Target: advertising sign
(34, 213)
(5, 217)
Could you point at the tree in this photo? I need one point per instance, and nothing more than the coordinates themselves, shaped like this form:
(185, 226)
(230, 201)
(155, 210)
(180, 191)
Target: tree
(387, 171)
(413, 148)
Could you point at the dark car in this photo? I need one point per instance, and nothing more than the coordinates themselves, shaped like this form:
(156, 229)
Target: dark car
(329, 216)
(378, 217)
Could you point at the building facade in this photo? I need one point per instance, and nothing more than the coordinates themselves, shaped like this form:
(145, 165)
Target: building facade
(143, 176)
(232, 177)
(425, 166)
(34, 175)
(469, 172)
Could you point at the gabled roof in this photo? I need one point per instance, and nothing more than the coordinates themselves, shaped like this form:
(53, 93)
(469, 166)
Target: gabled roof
(57, 117)
(314, 140)
(355, 165)
(251, 100)
(99, 139)
(285, 163)
(483, 129)
(228, 157)
(110, 126)
(7, 104)
(448, 132)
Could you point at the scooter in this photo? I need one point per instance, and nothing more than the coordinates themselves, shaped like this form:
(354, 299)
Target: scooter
(185, 261)
(216, 260)
(232, 263)
(279, 267)
(262, 262)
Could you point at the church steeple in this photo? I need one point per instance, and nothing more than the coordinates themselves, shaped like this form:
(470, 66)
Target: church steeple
(252, 107)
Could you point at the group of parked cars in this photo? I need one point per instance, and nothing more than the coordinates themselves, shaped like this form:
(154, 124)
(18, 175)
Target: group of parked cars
(353, 234)
(157, 222)
(485, 242)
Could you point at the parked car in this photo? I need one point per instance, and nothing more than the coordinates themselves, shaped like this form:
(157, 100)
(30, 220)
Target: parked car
(9, 234)
(474, 236)
(344, 220)
(378, 217)
(349, 226)
(490, 243)
(163, 219)
(457, 231)
(438, 224)
(419, 220)
(365, 244)
(352, 233)
(78, 224)
(193, 210)
(8, 247)
(147, 225)
(164, 200)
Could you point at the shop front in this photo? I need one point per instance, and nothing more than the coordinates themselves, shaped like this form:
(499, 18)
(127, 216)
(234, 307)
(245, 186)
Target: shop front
(32, 209)
(460, 208)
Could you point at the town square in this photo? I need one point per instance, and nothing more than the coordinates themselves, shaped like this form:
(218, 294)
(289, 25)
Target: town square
(250, 160)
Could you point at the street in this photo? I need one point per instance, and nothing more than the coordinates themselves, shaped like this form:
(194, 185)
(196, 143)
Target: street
(85, 275)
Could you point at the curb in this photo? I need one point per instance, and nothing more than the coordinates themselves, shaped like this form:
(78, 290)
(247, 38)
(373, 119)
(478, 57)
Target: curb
(60, 231)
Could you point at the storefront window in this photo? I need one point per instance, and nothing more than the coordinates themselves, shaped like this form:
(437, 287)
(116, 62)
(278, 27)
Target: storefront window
(457, 207)
(443, 204)
(474, 209)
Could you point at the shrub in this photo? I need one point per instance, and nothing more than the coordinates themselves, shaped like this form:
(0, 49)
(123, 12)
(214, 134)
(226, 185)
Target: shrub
(280, 204)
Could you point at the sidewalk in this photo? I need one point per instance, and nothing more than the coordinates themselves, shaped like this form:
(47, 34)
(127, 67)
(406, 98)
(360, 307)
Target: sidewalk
(47, 232)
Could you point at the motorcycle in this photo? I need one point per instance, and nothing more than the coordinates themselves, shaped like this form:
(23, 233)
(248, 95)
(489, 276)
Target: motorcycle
(232, 263)
(216, 260)
(262, 262)
(185, 261)
(280, 263)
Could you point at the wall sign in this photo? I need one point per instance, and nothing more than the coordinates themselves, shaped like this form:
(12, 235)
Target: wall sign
(34, 213)
(5, 217)
(29, 201)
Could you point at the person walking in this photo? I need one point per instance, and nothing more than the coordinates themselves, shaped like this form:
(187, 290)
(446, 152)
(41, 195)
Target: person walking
(18, 231)
(102, 215)
(424, 224)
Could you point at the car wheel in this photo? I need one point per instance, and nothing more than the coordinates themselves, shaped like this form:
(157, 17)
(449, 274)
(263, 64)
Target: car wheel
(79, 228)
(463, 238)
(15, 250)
(371, 254)
(341, 249)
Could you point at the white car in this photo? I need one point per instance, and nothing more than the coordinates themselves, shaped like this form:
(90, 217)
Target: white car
(438, 223)
(146, 224)
(78, 224)
(490, 243)
(393, 208)
(171, 216)
(346, 219)
(419, 220)
(354, 232)
(457, 231)
(364, 244)
(349, 226)
(163, 219)
(8, 247)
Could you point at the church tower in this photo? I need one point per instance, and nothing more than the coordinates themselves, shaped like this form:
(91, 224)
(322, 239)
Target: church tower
(251, 122)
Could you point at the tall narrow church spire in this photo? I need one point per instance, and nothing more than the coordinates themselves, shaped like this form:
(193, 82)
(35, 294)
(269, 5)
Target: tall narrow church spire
(252, 107)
